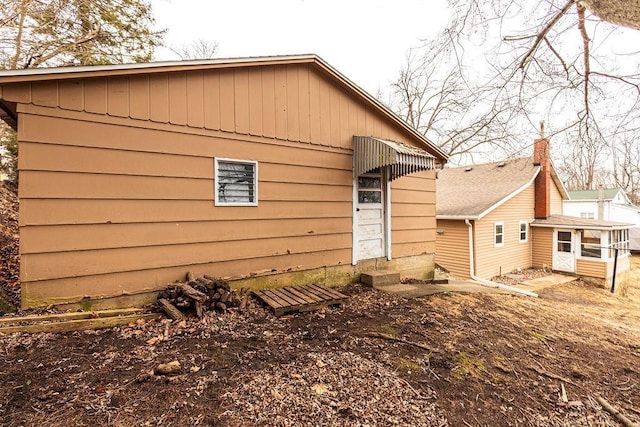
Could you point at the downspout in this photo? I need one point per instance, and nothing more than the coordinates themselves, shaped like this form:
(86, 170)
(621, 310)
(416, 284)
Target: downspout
(485, 282)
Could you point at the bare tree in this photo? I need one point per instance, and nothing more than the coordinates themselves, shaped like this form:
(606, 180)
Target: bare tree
(567, 62)
(446, 101)
(198, 49)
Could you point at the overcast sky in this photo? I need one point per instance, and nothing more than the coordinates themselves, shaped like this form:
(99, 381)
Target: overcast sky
(366, 40)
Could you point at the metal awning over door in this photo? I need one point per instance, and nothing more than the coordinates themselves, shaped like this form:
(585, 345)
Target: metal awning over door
(370, 153)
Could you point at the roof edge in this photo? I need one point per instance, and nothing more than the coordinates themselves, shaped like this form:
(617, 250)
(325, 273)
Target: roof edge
(458, 217)
(54, 73)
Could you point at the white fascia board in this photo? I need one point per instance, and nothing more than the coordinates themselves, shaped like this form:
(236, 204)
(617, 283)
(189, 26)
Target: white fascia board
(457, 217)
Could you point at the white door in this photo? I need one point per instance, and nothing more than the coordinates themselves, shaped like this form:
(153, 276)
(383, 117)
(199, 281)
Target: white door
(564, 258)
(370, 216)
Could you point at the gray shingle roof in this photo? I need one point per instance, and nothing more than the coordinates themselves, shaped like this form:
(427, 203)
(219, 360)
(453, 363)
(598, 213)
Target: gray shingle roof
(469, 191)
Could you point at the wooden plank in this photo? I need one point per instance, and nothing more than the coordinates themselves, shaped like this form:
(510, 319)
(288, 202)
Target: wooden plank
(79, 325)
(292, 296)
(329, 294)
(275, 297)
(267, 299)
(288, 300)
(313, 293)
(316, 295)
(284, 306)
(159, 98)
(178, 98)
(329, 291)
(195, 99)
(118, 96)
(70, 316)
(95, 95)
(308, 298)
(211, 100)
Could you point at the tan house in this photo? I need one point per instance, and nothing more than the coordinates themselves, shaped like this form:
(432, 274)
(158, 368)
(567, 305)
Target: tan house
(268, 171)
(498, 217)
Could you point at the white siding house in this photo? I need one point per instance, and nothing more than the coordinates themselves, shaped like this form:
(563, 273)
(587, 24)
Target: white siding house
(615, 207)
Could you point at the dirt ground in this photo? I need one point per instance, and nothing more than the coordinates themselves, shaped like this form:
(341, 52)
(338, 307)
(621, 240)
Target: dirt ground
(443, 360)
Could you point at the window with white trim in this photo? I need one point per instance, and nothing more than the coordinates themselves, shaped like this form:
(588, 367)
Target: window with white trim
(587, 215)
(498, 234)
(523, 231)
(236, 182)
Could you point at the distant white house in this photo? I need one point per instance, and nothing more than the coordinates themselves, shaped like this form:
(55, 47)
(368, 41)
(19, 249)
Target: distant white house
(612, 205)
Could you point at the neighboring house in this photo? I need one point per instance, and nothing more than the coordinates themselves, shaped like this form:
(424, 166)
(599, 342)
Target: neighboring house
(608, 204)
(268, 171)
(498, 217)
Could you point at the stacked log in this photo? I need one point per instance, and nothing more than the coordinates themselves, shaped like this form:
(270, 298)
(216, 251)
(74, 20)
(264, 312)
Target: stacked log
(200, 294)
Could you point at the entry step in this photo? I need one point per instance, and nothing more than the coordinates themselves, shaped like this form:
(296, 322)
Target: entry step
(380, 278)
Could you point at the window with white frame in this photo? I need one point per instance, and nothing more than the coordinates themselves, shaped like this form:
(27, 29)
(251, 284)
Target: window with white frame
(498, 234)
(523, 231)
(587, 215)
(236, 182)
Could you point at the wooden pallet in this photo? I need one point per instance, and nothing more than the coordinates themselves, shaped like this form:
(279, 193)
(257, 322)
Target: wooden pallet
(299, 298)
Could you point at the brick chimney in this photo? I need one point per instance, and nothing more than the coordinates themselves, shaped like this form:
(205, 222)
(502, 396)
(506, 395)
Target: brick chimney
(542, 184)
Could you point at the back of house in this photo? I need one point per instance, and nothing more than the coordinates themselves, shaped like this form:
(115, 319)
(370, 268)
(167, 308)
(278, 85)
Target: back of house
(267, 171)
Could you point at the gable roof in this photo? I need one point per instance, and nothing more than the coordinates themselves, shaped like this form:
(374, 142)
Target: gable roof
(609, 194)
(63, 73)
(470, 192)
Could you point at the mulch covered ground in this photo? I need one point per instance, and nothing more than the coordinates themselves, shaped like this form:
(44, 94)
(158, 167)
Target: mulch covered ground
(443, 360)
(378, 360)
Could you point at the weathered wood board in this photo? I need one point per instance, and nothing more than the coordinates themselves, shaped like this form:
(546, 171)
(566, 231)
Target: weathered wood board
(299, 298)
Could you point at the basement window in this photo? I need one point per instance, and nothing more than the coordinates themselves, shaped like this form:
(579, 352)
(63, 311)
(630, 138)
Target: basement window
(236, 182)
(498, 234)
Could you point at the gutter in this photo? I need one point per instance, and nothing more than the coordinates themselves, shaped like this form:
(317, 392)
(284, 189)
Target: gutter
(485, 282)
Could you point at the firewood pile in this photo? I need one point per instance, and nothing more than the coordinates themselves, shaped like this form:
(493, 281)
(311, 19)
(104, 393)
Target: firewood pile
(200, 294)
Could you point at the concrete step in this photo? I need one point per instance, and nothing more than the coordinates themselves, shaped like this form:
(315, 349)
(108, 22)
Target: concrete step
(376, 279)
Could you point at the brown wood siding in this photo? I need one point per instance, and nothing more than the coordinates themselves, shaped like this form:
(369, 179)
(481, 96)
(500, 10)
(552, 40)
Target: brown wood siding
(490, 260)
(585, 267)
(94, 204)
(542, 247)
(413, 215)
(289, 102)
(117, 187)
(452, 247)
(555, 200)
